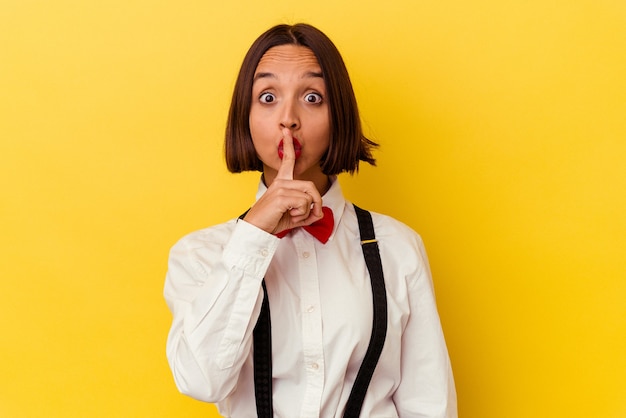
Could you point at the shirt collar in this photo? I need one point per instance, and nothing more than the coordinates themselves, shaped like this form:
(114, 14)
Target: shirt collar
(333, 198)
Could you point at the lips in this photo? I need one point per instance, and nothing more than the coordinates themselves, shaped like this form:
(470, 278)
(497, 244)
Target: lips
(296, 147)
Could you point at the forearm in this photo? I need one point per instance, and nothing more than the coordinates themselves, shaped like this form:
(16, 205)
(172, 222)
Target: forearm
(214, 294)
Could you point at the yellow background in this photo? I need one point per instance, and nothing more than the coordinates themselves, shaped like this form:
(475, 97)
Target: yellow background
(503, 133)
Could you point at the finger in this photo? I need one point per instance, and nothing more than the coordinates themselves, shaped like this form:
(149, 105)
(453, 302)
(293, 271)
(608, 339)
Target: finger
(300, 204)
(305, 219)
(312, 203)
(285, 171)
(311, 209)
(316, 206)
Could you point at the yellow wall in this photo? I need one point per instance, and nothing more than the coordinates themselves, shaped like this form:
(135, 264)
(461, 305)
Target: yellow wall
(503, 132)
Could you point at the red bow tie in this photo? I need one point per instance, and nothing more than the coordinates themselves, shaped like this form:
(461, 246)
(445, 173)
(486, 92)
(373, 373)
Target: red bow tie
(321, 229)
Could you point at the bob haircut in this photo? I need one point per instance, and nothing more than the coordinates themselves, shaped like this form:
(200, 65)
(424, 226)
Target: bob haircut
(348, 146)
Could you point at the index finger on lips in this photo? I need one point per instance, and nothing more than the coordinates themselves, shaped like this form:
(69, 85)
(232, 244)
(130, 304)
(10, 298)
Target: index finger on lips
(285, 171)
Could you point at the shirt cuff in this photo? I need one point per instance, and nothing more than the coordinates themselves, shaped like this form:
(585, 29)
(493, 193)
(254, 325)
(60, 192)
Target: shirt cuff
(250, 249)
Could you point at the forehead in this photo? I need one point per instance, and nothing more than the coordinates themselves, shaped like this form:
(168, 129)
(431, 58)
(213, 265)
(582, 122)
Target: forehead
(288, 56)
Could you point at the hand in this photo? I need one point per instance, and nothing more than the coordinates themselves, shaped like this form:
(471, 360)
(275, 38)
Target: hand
(287, 203)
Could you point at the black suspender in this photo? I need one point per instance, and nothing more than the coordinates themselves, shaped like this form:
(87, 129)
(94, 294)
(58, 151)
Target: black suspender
(379, 325)
(262, 355)
(262, 344)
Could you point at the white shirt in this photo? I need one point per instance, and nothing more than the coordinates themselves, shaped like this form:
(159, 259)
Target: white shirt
(321, 311)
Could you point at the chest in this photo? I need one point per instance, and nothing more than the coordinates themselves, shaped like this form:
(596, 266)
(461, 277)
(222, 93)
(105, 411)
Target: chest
(320, 298)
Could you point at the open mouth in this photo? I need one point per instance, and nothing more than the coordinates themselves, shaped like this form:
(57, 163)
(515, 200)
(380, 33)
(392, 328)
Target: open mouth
(296, 147)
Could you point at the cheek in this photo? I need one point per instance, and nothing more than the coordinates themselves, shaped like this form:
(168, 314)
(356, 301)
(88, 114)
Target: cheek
(325, 125)
(261, 139)
(324, 134)
(253, 121)
(257, 127)
(256, 118)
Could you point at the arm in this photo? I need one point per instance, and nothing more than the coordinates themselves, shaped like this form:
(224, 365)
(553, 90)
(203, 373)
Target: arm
(213, 289)
(427, 387)
(213, 284)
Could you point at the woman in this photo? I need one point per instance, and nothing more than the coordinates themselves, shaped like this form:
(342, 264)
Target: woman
(270, 319)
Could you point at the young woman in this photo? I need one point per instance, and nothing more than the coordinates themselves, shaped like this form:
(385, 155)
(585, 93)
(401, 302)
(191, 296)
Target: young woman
(271, 317)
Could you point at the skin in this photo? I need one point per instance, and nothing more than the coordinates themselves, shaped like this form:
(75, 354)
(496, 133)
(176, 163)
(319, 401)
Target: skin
(288, 101)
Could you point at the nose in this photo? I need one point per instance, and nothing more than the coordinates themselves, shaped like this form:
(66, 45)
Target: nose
(289, 117)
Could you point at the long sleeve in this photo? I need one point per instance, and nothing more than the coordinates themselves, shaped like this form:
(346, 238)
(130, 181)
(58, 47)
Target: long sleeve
(213, 289)
(427, 387)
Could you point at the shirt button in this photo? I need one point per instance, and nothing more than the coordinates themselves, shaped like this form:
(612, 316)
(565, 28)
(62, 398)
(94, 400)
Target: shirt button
(264, 252)
(306, 254)
(315, 366)
(310, 308)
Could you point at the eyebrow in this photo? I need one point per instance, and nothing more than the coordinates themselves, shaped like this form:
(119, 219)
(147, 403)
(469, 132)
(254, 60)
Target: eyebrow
(309, 74)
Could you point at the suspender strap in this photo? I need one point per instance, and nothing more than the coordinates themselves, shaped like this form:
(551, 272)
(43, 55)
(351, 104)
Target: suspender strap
(262, 347)
(262, 344)
(379, 326)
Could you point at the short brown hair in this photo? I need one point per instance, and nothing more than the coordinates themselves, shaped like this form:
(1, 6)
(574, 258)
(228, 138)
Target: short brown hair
(348, 146)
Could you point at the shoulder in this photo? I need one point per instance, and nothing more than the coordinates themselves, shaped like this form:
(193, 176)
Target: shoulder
(400, 246)
(388, 228)
(213, 237)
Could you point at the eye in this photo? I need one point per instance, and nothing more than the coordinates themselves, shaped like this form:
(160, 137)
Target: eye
(267, 98)
(313, 98)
